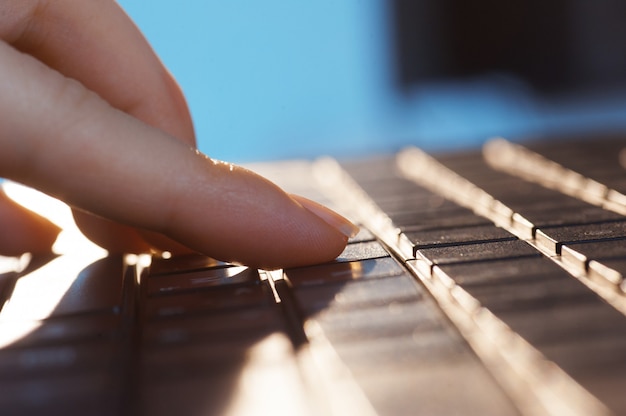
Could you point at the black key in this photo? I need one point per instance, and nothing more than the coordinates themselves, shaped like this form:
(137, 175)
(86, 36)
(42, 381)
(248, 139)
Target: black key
(356, 294)
(579, 255)
(476, 252)
(203, 379)
(501, 272)
(183, 263)
(68, 285)
(215, 300)
(457, 236)
(18, 362)
(414, 200)
(598, 364)
(565, 215)
(202, 279)
(592, 158)
(567, 323)
(612, 270)
(381, 321)
(362, 251)
(426, 386)
(97, 393)
(419, 349)
(91, 327)
(548, 293)
(343, 272)
(551, 239)
(460, 217)
(240, 324)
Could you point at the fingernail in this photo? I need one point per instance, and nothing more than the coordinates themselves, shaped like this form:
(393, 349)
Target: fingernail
(331, 217)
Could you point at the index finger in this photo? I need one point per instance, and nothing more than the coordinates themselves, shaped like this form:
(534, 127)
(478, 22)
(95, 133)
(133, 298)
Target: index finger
(104, 161)
(95, 43)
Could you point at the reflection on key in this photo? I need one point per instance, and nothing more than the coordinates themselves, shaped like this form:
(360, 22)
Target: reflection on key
(344, 271)
(188, 281)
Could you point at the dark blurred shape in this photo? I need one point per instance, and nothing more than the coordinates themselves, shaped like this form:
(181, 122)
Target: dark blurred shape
(555, 46)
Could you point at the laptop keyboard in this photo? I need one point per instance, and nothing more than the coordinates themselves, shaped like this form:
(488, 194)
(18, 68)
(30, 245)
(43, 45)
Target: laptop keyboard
(481, 283)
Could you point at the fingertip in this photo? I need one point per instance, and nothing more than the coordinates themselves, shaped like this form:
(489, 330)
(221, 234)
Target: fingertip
(341, 223)
(317, 235)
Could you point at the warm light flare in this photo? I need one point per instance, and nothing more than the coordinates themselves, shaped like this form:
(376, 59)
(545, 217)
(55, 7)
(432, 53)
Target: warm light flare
(70, 239)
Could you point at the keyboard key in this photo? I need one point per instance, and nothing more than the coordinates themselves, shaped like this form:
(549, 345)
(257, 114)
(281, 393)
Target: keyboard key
(65, 358)
(362, 251)
(552, 239)
(579, 255)
(98, 393)
(196, 280)
(215, 300)
(344, 271)
(535, 217)
(378, 321)
(356, 294)
(474, 252)
(260, 377)
(231, 324)
(611, 270)
(65, 286)
(183, 263)
(501, 272)
(458, 236)
(18, 334)
(456, 385)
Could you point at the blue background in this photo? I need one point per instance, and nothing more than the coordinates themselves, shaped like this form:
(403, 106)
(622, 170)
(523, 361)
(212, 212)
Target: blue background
(287, 79)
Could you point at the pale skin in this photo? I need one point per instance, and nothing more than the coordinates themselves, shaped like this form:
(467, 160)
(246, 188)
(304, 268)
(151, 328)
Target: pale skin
(88, 114)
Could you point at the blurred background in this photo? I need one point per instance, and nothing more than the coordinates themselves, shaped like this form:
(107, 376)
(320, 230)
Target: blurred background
(291, 79)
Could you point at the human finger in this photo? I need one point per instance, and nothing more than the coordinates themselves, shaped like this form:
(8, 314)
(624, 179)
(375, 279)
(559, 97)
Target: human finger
(106, 162)
(97, 44)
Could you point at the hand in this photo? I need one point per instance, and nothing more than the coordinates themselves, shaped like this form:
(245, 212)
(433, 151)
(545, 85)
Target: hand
(89, 115)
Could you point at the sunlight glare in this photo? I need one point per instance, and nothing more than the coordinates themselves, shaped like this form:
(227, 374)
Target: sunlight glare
(269, 367)
(71, 238)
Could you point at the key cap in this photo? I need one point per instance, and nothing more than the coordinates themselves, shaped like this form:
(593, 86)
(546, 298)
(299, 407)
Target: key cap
(189, 262)
(231, 324)
(215, 300)
(18, 334)
(261, 377)
(67, 285)
(94, 393)
(343, 272)
(579, 255)
(361, 251)
(458, 236)
(345, 325)
(356, 294)
(495, 272)
(197, 280)
(552, 239)
(475, 252)
(17, 362)
(612, 270)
